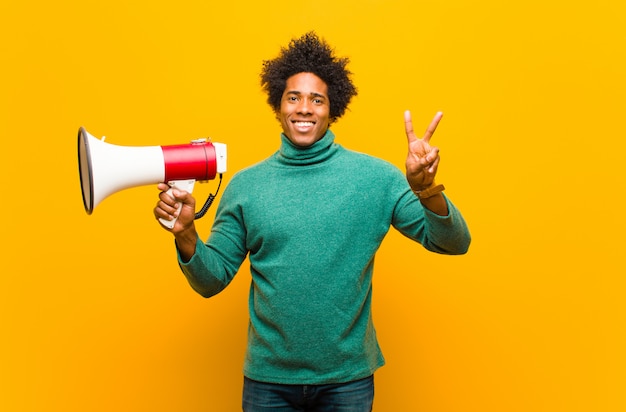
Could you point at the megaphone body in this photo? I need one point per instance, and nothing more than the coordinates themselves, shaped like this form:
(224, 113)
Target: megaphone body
(107, 168)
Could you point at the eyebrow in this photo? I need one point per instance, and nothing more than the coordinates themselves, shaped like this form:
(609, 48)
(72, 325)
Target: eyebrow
(299, 93)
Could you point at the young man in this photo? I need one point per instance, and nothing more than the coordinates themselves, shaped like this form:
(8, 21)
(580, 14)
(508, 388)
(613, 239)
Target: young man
(311, 218)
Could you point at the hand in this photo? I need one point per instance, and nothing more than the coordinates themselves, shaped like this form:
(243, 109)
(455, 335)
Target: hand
(167, 207)
(423, 159)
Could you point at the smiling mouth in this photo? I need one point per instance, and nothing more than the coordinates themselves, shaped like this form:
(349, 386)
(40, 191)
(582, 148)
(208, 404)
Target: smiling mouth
(303, 123)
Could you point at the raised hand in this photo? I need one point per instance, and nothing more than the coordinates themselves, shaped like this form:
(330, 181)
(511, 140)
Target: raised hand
(422, 159)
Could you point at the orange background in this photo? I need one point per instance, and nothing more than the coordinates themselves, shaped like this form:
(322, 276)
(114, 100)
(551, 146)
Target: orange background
(95, 313)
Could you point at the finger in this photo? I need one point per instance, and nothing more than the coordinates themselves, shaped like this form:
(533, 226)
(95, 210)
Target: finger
(432, 155)
(432, 126)
(163, 187)
(428, 164)
(408, 126)
(167, 198)
(172, 194)
(161, 212)
(433, 166)
(169, 208)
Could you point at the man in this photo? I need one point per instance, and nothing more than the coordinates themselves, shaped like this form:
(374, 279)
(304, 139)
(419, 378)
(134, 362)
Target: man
(311, 218)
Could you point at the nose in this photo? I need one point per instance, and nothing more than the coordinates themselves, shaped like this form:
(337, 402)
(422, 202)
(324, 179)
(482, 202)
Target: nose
(304, 106)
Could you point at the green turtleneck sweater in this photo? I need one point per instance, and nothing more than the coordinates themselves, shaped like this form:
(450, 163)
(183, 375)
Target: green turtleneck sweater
(311, 221)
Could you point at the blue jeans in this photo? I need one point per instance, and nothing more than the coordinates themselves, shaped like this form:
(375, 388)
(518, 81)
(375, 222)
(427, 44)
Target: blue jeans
(355, 396)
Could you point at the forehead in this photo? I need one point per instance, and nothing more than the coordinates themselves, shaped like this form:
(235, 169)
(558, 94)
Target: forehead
(306, 83)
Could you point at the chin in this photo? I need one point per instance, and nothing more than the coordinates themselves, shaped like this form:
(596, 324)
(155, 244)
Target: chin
(301, 141)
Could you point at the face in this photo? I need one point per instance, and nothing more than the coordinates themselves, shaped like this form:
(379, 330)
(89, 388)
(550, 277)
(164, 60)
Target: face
(304, 109)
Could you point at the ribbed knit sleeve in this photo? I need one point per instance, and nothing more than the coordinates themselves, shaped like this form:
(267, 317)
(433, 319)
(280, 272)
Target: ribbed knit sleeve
(441, 234)
(216, 262)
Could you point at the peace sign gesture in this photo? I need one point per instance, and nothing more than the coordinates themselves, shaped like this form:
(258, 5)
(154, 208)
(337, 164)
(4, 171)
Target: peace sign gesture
(422, 159)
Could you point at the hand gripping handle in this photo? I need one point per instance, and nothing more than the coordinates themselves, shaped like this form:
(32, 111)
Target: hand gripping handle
(186, 185)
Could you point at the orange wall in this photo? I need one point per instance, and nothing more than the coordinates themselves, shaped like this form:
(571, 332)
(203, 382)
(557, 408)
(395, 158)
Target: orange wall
(95, 314)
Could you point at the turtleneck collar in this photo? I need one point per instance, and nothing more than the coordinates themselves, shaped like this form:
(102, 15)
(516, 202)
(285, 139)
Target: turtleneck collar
(301, 156)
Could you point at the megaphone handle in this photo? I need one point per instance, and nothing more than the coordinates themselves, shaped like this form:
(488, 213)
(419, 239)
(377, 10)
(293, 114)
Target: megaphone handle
(186, 185)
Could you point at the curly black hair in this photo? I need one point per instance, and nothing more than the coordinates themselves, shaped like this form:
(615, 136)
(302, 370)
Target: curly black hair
(309, 54)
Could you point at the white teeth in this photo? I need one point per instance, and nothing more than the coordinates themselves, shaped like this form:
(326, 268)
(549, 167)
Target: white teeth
(303, 124)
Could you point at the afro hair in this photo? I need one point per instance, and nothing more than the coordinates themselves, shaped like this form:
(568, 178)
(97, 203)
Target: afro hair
(309, 54)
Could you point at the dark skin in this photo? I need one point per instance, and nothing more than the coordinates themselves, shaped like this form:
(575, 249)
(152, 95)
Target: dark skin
(422, 162)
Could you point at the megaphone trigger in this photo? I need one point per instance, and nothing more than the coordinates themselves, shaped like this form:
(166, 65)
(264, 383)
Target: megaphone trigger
(186, 185)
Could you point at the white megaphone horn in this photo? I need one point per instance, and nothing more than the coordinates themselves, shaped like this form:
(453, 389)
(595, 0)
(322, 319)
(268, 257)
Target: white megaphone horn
(107, 168)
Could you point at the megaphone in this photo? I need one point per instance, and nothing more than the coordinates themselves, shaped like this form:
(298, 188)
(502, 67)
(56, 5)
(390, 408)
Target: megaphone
(107, 168)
